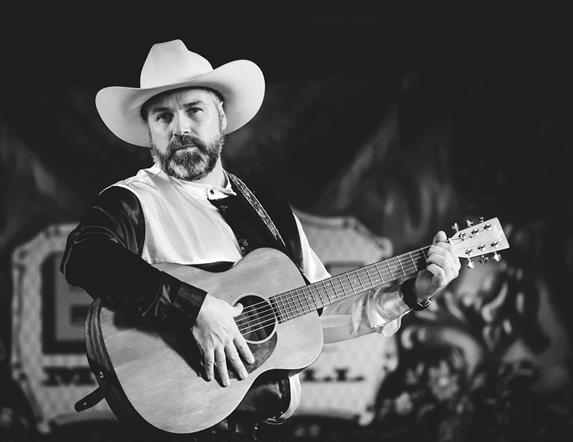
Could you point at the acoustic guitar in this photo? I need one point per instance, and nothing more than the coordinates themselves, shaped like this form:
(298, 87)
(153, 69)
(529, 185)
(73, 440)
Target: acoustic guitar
(158, 366)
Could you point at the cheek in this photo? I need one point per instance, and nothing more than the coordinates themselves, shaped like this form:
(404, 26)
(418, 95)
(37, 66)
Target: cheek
(160, 139)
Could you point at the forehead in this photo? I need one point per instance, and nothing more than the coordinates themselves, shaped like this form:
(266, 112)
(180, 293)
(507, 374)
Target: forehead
(180, 97)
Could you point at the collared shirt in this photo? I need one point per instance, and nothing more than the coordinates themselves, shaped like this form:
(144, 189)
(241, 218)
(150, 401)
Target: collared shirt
(183, 227)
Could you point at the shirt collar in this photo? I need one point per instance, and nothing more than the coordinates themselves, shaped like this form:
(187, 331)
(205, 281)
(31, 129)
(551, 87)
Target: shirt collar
(198, 190)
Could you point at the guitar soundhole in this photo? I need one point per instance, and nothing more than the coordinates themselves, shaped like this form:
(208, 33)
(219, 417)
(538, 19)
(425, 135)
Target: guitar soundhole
(257, 320)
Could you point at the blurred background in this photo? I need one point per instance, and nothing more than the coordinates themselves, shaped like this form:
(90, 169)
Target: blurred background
(379, 128)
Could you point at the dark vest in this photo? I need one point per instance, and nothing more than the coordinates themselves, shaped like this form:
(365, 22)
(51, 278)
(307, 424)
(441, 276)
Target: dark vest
(270, 394)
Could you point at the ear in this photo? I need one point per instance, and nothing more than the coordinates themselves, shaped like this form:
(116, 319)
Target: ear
(222, 117)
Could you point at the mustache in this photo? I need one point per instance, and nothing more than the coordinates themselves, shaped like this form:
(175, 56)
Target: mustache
(184, 141)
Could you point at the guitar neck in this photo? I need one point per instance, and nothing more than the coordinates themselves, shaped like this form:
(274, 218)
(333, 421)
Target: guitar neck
(303, 300)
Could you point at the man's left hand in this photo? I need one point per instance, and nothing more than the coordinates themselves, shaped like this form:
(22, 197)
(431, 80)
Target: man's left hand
(442, 266)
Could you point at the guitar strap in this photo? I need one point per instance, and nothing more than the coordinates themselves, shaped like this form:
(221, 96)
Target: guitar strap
(258, 208)
(263, 396)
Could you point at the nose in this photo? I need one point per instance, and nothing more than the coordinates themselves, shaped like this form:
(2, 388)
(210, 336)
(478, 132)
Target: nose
(181, 125)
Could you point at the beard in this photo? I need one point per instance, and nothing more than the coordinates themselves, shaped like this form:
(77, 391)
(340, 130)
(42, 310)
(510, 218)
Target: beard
(188, 164)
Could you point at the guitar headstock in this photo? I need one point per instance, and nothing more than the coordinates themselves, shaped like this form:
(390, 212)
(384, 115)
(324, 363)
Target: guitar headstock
(483, 239)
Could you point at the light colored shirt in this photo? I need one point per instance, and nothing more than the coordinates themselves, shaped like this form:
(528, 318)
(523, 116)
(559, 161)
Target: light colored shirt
(183, 227)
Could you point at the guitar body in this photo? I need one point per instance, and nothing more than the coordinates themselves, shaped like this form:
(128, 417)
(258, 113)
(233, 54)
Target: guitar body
(158, 366)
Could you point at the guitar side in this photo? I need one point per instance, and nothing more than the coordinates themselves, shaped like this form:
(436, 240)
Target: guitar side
(159, 368)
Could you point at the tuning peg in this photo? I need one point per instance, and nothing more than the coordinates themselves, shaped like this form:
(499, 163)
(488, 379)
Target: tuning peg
(496, 257)
(469, 223)
(481, 219)
(484, 259)
(455, 227)
(470, 263)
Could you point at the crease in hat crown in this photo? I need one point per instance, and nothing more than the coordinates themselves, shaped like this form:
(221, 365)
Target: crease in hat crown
(171, 62)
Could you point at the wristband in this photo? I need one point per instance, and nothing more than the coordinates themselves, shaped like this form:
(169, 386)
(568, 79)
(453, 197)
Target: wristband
(408, 291)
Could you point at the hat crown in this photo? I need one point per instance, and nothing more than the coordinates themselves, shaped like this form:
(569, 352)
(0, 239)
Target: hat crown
(171, 62)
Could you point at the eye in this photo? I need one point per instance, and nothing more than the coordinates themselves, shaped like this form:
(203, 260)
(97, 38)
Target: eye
(164, 116)
(194, 110)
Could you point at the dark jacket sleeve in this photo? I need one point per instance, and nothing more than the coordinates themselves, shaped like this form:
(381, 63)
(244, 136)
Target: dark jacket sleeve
(103, 256)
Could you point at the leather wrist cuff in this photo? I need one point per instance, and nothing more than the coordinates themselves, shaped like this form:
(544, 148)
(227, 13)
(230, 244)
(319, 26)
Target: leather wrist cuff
(408, 291)
(183, 297)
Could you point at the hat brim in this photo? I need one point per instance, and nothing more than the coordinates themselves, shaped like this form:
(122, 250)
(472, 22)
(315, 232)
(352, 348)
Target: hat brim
(240, 82)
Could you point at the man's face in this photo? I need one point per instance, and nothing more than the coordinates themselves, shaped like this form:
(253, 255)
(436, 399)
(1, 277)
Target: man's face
(186, 132)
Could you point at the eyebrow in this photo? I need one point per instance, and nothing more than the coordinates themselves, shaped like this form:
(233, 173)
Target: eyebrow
(156, 110)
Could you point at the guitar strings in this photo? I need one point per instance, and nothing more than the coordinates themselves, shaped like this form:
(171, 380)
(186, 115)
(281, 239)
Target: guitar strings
(262, 314)
(291, 301)
(295, 295)
(290, 297)
(410, 266)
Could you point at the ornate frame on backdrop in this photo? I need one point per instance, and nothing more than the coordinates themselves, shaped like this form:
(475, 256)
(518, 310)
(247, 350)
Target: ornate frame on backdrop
(343, 381)
(48, 358)
(64, 310)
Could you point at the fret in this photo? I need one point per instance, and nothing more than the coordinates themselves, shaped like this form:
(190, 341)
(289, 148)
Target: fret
(275, 309)
(362, 288)
(285, 306)
(323, 294)
(309, 298)
(311, 295)
(376, 276)
(399, 262)
(369, 279)
(424, 253)
(359, 282)
(350, 282)
(323, 283)
(304, 300)
(319, 293)
(391, 272)
(297, 303)
(301, 300)
(413, 262)
(379, 273)
(333, 283)
(338, 296)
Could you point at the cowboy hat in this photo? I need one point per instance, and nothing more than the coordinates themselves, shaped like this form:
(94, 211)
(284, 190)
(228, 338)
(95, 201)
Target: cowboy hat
(170, 65)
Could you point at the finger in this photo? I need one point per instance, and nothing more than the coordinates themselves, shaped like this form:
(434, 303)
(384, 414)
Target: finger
(237, 310)
(235, 361)
(445, 263)
(440, 237)
(244, 349)
(438, 275)
(208, 362)
(221, 366)
(445, 250)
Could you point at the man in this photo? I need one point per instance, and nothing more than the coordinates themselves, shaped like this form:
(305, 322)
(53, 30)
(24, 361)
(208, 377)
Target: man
(186, 209)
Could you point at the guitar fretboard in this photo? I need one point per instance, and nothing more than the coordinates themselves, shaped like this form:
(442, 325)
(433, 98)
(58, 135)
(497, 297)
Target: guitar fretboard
(303, 300)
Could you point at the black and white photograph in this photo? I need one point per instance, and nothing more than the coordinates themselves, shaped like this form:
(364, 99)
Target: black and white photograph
(286, 224)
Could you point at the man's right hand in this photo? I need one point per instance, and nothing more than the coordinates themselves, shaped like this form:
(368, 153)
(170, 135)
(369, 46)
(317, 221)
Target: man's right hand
(219, 339)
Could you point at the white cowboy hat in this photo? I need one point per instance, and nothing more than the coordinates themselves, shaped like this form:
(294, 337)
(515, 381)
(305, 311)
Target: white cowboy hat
(170, 65)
